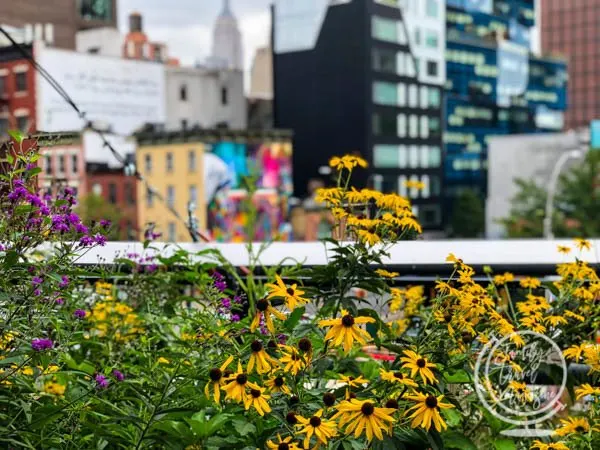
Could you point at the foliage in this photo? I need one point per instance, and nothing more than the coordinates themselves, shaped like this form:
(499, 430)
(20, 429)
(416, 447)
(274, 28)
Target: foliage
(575, 207)
(94, 208)
(468, 215)
(183, 351)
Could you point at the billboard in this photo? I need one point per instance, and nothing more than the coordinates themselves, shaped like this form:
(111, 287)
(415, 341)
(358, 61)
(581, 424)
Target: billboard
(122, 94)
(595, 134)
(270, 165)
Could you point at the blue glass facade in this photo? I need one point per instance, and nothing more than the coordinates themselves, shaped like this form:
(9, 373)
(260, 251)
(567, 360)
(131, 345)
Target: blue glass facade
(495, 86)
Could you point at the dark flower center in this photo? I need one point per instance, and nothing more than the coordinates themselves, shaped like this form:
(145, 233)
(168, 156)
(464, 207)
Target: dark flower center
(278, 381)
(348, 320)
(391, 403)
(255, 393)
(421, 363)
(262, 304)
(398, 375)
(242, 378)
(579, 429)
(215, 374)
(448, 317)
(295, 357)
(272, 344)
(367, 408)
(350, 378)
(467, 337)
(294, 399)
(283, 446)
(315, 421)
(291, 418)
(305, 345)
(328, 399)
(290, 291)
(431, 401)
(256, 346)
(352, 395)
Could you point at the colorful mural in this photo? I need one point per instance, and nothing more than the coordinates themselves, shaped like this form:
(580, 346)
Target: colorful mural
(269, 167)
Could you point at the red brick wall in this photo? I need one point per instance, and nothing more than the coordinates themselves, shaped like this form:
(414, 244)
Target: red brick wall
(15, 103)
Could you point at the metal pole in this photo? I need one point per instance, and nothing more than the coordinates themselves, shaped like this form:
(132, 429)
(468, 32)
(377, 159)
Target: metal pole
(558, 167)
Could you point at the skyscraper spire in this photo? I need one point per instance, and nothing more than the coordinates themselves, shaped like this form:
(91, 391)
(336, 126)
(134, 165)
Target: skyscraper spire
(226, 8)
(227, 40)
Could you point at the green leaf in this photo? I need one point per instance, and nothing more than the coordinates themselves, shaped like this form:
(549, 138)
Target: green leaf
(452, 416)
(243, 427)
(17, 135)
(505, 444)
(10, 259)
(457, 376)
(294, 318)
(456, 440)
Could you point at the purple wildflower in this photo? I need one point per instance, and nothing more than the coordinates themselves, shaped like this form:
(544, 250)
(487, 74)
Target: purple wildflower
(33, 199)
(80, 313)
(237, 299)
(41, 344)
(69, 191)
(219, 281)
(235, 318)
(101, 381)
(105, 223)
(86, 241)
(37, 292)
(60, 301)
(17, 193)
(152, 268)
(30, 166)
(226, 303)
(282, 338)
(118, 375)
(100, 239)
(64, 281)
(44, 210)
(81, 228)
(36, 281)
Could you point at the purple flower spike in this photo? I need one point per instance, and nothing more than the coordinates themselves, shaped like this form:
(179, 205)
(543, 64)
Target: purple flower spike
(80, 313)
(101, 381)
(41, 344)
(118, 375)
(235, 318)
(64, 281)
(36, 281)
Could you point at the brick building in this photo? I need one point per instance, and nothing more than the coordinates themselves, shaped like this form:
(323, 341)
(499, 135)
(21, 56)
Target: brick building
(117, 189)
(17, 92)
(62, 163)
(59, 20)
(570, 29)
(137, 44)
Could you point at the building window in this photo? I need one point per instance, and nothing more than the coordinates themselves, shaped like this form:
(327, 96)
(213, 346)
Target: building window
(402, 156)
(112, 193)
(413, 156)
(61, 163)
(3, 127)
(74, 164)
(413, 126)
(432, 68)
(2, 84)
(172, 232)
(424, 157)
(385, 156)
(434, 97)
(192, 160)
(402, 190)
(417, 36)
(224, 96)
(435, 157)
(425, 192)
(384, 29)
(430, 215)
(413, 96)
(431, 39)
(97, 189)
(385, 124)
(149, 198)
(21, 81)
(401, 94)
(171, 196)
(424, 97)
(183, 93)
(434, 126)
(432, 8)
(402, 125)
(47, 164)
(414, 191)
(169, 163)
(184, 124)
(23, 123)
(148, 163)
(385, 93)
(129, 193)
(194, 195)
(384, 60)
(424, 126)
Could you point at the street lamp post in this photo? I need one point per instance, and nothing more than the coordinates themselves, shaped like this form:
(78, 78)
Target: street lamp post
(558, 167)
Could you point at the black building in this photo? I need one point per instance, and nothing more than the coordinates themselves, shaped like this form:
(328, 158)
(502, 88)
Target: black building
(346, 81)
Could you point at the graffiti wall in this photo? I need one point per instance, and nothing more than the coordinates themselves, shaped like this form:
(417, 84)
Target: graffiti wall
(267, 167)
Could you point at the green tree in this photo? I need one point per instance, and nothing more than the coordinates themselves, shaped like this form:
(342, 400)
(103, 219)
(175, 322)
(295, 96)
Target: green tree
(94, 208)
(468, 215)
(576, 204)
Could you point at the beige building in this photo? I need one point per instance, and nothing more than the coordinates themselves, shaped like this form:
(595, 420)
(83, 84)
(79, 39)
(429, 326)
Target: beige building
(261, 75)
(175, 169)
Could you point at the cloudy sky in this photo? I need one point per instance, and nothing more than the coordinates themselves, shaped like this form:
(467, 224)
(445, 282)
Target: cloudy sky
(186, 25)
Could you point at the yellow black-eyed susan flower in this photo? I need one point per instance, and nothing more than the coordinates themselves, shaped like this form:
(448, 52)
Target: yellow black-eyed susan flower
(236, 386)
(290, 294)
(539, 445)
(426, 411)
(347, 162)
(345, 330)
(265, 309)
(575, 352)
(418, 365)
(291, 359)
(582, 244)
(564, 249)
(572, 425)
(282, 444)
(321, 428)
(363, 417)
(217, 377)
(521, 391)
(396, 377)
(586, 389)
(278, 384)
(257, 399)
(530, 283)
(260, 358)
